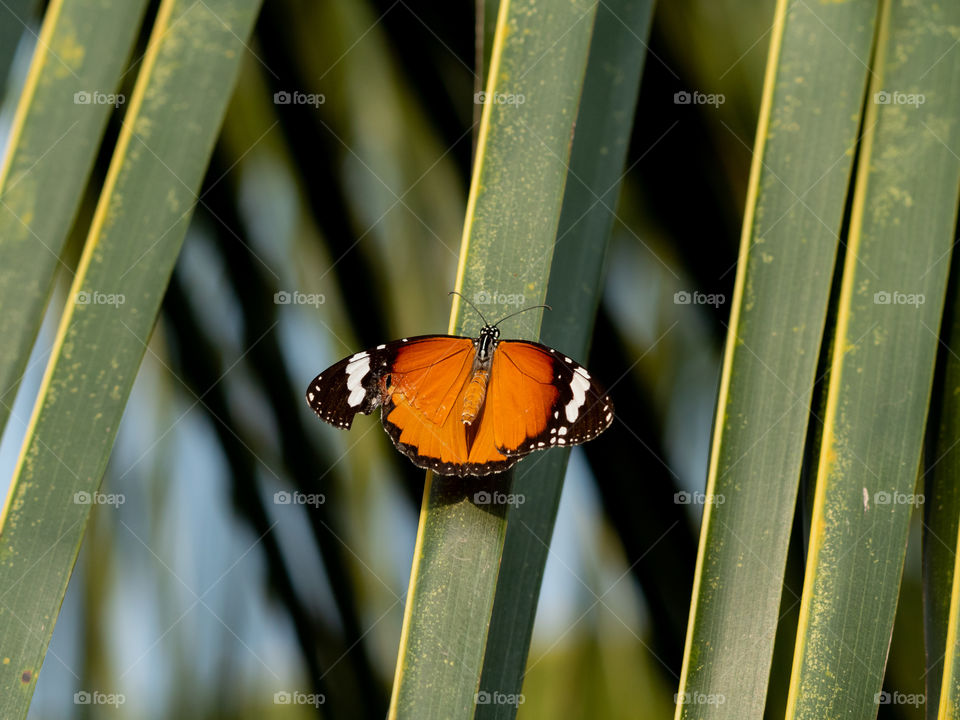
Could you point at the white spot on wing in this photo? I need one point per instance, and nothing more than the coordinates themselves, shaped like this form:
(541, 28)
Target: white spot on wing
(584, 373)
(357, 370)
(380, 347)
(562, 431)
(578, 386)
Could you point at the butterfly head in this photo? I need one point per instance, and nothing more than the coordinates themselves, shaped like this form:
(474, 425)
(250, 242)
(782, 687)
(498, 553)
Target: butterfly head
(487, 342)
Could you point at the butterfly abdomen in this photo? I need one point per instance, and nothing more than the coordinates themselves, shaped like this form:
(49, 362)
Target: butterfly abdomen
(474, 395)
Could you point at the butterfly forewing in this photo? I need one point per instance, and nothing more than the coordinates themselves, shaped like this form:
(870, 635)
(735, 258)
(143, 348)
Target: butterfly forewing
(422, 409)
(349, 387)
(353, 385)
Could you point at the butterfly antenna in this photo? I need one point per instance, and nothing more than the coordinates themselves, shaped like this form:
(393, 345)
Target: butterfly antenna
(532, 307)
(454, 292)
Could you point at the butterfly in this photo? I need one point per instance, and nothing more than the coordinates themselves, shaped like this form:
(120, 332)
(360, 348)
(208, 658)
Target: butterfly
(466, 406)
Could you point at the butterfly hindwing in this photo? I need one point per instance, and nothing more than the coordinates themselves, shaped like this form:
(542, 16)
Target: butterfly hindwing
(559, 402)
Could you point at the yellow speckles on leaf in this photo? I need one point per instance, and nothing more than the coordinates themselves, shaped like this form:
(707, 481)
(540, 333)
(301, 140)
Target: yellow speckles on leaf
(879, 335)
(829, 458)
(69, 54)
(113, 211)
(766, 257)
(143, 127)
(20, 201)
(173, 200)
(901, 196)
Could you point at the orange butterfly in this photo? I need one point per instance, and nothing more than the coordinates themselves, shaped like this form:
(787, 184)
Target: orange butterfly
(466, 406)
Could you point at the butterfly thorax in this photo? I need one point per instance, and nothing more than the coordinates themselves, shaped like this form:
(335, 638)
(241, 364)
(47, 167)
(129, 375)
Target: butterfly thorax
(476, 391)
